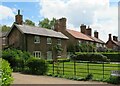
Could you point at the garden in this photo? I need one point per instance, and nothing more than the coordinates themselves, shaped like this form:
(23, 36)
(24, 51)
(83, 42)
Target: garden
(80, 66)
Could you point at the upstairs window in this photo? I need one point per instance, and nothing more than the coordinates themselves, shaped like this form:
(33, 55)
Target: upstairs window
(49, 41)
(59, 41)
(3, 41)
(36, 39)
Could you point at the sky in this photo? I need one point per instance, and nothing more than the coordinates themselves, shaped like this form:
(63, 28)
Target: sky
(100, 15)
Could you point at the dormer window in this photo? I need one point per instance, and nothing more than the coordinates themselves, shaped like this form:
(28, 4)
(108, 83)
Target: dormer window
(36, 39)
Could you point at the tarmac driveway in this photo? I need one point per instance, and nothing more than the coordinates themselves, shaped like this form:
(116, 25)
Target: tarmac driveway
(34, 79)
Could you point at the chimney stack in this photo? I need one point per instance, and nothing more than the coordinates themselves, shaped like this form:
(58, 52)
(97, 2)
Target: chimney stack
(60, 25)
(83, 28)
(19, 18)
(89, 31)
(115, 38)
(96, 34)
(110, 38)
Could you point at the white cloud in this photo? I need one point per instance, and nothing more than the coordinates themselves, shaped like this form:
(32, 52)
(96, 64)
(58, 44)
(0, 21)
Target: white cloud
(6, 12)
(96, 13)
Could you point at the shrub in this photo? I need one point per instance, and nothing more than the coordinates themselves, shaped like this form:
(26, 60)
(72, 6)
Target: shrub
(16, 58)
(37, 66)
(89, 77)
(114, 80)
(5, 73)
(90, 57)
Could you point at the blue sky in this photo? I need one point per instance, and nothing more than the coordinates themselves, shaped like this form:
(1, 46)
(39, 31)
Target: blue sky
(99, 14)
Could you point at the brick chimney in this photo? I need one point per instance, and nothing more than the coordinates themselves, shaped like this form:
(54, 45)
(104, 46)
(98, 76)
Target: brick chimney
(115, 38)
(89, 31)
(96, 34)
(60, 25)
(110, 38)
(19, 18)
(83, 28)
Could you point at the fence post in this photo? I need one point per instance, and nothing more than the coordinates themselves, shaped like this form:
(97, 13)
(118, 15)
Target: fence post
(63, 67)
(74, 68)
(103, 70)
(88, 67)
(53, 66)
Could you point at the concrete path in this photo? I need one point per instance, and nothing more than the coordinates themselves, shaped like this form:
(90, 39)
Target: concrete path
(34, 79)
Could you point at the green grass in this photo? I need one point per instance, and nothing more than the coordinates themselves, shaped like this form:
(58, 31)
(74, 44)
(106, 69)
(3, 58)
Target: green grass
(82, 69)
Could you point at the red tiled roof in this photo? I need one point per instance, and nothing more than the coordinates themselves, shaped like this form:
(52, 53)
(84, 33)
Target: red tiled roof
(117, 43)
(79, 35)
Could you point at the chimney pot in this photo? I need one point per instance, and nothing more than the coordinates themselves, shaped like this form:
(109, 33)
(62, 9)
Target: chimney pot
(19, 18)
(89, 31)
(110, 37)
(18, 12)
(115, 38)
(96, 34)
(83, 28)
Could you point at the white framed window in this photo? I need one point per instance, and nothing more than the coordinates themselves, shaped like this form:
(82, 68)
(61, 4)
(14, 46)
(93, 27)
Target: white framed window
(3, 41)
(49, 55)
(59, 41)
(37, 54)
(36, 39)
(59, 54)
(49, 41)
(79, 42)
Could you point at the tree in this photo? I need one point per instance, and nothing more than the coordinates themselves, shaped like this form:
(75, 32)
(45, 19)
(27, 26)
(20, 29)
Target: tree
(46, 23)
(5, 28)
(29, 22)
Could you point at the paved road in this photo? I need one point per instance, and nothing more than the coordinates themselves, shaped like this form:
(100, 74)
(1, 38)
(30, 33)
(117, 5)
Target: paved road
(34, 79)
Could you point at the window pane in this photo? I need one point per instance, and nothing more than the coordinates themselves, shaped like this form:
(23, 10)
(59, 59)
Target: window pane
(49, 40)
(49, 55)
(37, 39)
(59, 41)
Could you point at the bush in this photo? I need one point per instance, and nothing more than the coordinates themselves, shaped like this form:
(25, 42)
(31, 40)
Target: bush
(114, 80)
(5, 73)
(16, 58)
(114, 57)
(89, 77)
(37, 66)
(90, 57)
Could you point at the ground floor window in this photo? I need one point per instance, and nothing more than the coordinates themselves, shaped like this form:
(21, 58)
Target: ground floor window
(49, 55)
(37, 54)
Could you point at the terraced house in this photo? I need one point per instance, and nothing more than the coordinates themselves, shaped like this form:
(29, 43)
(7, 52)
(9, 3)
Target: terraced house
(41, 42)
(76, 37)
(113, 43)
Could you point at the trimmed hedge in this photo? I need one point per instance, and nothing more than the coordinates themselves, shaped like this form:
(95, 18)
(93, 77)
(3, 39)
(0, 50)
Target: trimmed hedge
(113, 56)
(90, 57)
(36, 66)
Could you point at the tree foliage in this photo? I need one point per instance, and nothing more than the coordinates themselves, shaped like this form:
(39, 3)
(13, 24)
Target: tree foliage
(46, 23)
(29, 22)
(5, 28)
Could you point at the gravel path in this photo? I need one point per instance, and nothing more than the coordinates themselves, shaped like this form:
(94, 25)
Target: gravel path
(34, 79)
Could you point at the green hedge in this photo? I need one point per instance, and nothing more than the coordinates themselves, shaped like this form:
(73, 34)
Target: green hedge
(36, 66)
(16, 58)
(113, 56)
(90, 57)
(5, 73)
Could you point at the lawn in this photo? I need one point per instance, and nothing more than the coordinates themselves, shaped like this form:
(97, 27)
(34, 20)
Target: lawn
(83, 69)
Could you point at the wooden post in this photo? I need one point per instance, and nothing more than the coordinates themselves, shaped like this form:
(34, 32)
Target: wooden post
(63, 67)
(103, 70)
(74, 68)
